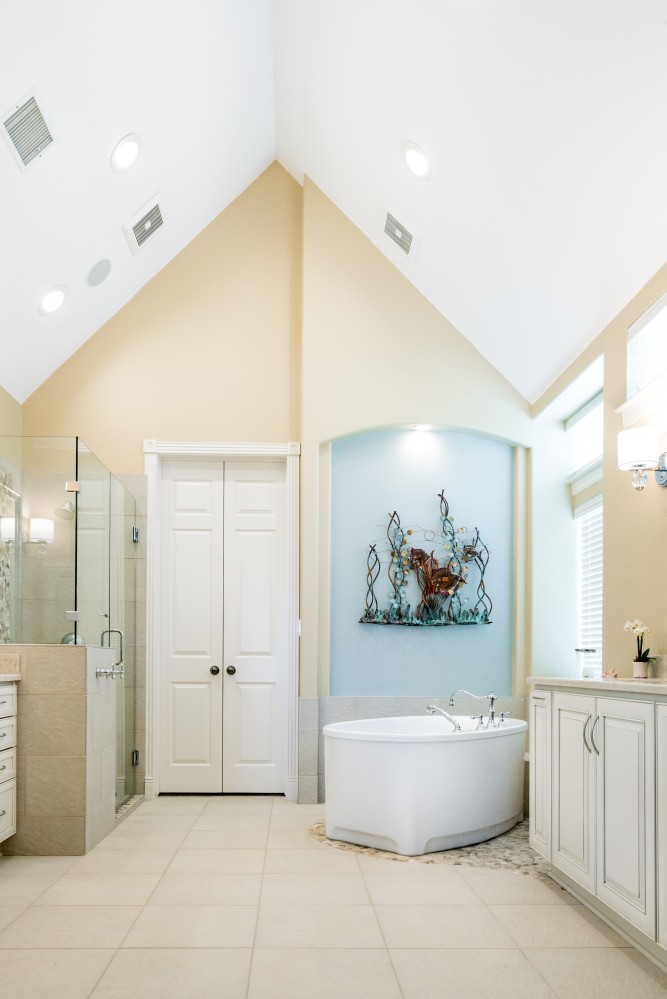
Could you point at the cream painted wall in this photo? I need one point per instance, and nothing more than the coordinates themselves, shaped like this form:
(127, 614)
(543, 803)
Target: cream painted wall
(375, 354)
(10, 415)
(208, 350)
(635, 524)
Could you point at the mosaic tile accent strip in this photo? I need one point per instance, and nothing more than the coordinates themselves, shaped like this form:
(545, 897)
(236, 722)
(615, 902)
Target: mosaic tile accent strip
(510, 851)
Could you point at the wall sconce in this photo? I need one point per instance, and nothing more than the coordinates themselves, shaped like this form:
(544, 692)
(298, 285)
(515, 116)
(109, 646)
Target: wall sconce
(41, 532)
(637, 448)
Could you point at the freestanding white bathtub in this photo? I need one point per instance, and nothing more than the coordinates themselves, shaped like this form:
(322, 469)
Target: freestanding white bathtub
(413, 785)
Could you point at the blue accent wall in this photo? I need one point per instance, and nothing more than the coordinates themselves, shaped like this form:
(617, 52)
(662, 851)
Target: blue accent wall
(374, 474)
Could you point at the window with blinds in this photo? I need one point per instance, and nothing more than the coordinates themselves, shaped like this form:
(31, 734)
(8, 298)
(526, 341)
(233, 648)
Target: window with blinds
(647, 348)
(588, 520)
(585, 437)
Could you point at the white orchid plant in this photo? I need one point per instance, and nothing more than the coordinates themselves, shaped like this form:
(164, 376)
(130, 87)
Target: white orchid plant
(638, 629)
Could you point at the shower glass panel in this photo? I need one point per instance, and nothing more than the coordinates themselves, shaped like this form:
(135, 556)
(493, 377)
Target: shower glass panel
(68, 565)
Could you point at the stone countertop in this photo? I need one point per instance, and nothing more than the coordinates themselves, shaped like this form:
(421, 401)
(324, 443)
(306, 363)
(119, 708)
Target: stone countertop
(620, 685)
(10, 677)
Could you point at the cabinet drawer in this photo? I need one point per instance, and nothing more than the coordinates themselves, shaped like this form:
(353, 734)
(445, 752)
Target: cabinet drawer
(7, 765)
(7, 700)
(7, 733)
(7, 809)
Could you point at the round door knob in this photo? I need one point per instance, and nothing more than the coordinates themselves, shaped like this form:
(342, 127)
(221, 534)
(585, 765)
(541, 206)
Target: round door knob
(215, 670)
(231, 670)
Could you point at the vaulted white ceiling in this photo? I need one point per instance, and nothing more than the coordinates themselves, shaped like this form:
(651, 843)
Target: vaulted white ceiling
(545, 125)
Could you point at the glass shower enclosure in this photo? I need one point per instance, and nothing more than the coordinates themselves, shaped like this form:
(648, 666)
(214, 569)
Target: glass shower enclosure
(68, 566)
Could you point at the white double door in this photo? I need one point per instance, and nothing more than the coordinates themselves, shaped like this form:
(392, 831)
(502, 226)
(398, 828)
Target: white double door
(223, 627)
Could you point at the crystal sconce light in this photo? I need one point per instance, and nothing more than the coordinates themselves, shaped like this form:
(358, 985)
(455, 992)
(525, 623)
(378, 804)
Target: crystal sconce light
(637, 450)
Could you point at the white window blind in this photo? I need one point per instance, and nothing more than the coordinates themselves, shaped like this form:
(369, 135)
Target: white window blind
(647, 347)
(589, 550)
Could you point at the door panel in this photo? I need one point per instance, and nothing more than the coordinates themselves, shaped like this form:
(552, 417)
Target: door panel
(223, 603)
(255, 627)
(191, 614)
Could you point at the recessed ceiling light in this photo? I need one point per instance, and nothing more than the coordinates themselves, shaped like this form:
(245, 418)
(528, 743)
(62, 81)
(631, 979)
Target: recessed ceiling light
(422, 427)
(125, 153)
(416, 161)
(99, 272)
(52, 300)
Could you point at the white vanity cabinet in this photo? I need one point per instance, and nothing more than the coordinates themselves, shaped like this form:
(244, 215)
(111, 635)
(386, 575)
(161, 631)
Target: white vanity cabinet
(7, 760)
(603, 807)
(598, 799)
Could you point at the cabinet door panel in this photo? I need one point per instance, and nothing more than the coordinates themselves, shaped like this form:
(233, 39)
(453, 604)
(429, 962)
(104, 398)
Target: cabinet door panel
(625, 806)
(573, 820)
(661, 778)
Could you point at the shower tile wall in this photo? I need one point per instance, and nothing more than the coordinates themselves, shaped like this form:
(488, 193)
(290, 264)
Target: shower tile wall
(315, 713)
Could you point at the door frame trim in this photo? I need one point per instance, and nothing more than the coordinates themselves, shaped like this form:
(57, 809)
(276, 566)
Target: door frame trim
(154, 454)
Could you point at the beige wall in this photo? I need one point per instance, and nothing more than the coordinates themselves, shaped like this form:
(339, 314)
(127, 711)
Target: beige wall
(635, 524)
(10, 415)
(206, 351)
(281, 321)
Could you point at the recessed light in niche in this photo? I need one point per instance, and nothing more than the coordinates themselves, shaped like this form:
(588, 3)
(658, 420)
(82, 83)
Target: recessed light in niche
(99, 272)
(125, 153)
(52, 300)
(416, 161)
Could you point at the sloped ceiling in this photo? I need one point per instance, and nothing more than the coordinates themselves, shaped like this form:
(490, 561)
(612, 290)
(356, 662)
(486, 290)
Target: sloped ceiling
(544, 125)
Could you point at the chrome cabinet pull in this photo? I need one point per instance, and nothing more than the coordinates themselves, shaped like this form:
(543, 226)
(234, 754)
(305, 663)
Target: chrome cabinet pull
(586, 724)
(597, 719)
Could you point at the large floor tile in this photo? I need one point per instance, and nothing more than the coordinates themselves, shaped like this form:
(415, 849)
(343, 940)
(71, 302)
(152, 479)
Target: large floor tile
(225, 839)
(310, 813)
(435, 926)
(142, 839)
(22, 890)
(232, 821)
(318, 926)
(151, 820)
(123, 862)
(443, 888)
(515, 888)
(193, 926)
(314, 889)
(51, 974)
(238, 861)
(100, 889)
(43, 866)
(293, 819)
(555, 926)
(218, 973)
(207, 889)
(322, 974)
(468, 974)
(177, 804)
(293, 839)
(238, 805)
(8, 913)
(325, 861)
(604, 973)
(83, 926)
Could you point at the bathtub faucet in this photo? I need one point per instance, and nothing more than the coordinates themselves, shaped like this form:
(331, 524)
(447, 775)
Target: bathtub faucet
(433, 709)
(490, 697)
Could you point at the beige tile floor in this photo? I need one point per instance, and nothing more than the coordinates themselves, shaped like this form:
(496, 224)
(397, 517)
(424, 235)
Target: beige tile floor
(230, 898)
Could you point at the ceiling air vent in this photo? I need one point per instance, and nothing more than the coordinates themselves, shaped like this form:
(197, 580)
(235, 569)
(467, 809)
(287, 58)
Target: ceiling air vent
(143, 225)
(27, 131)
(398, 233)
